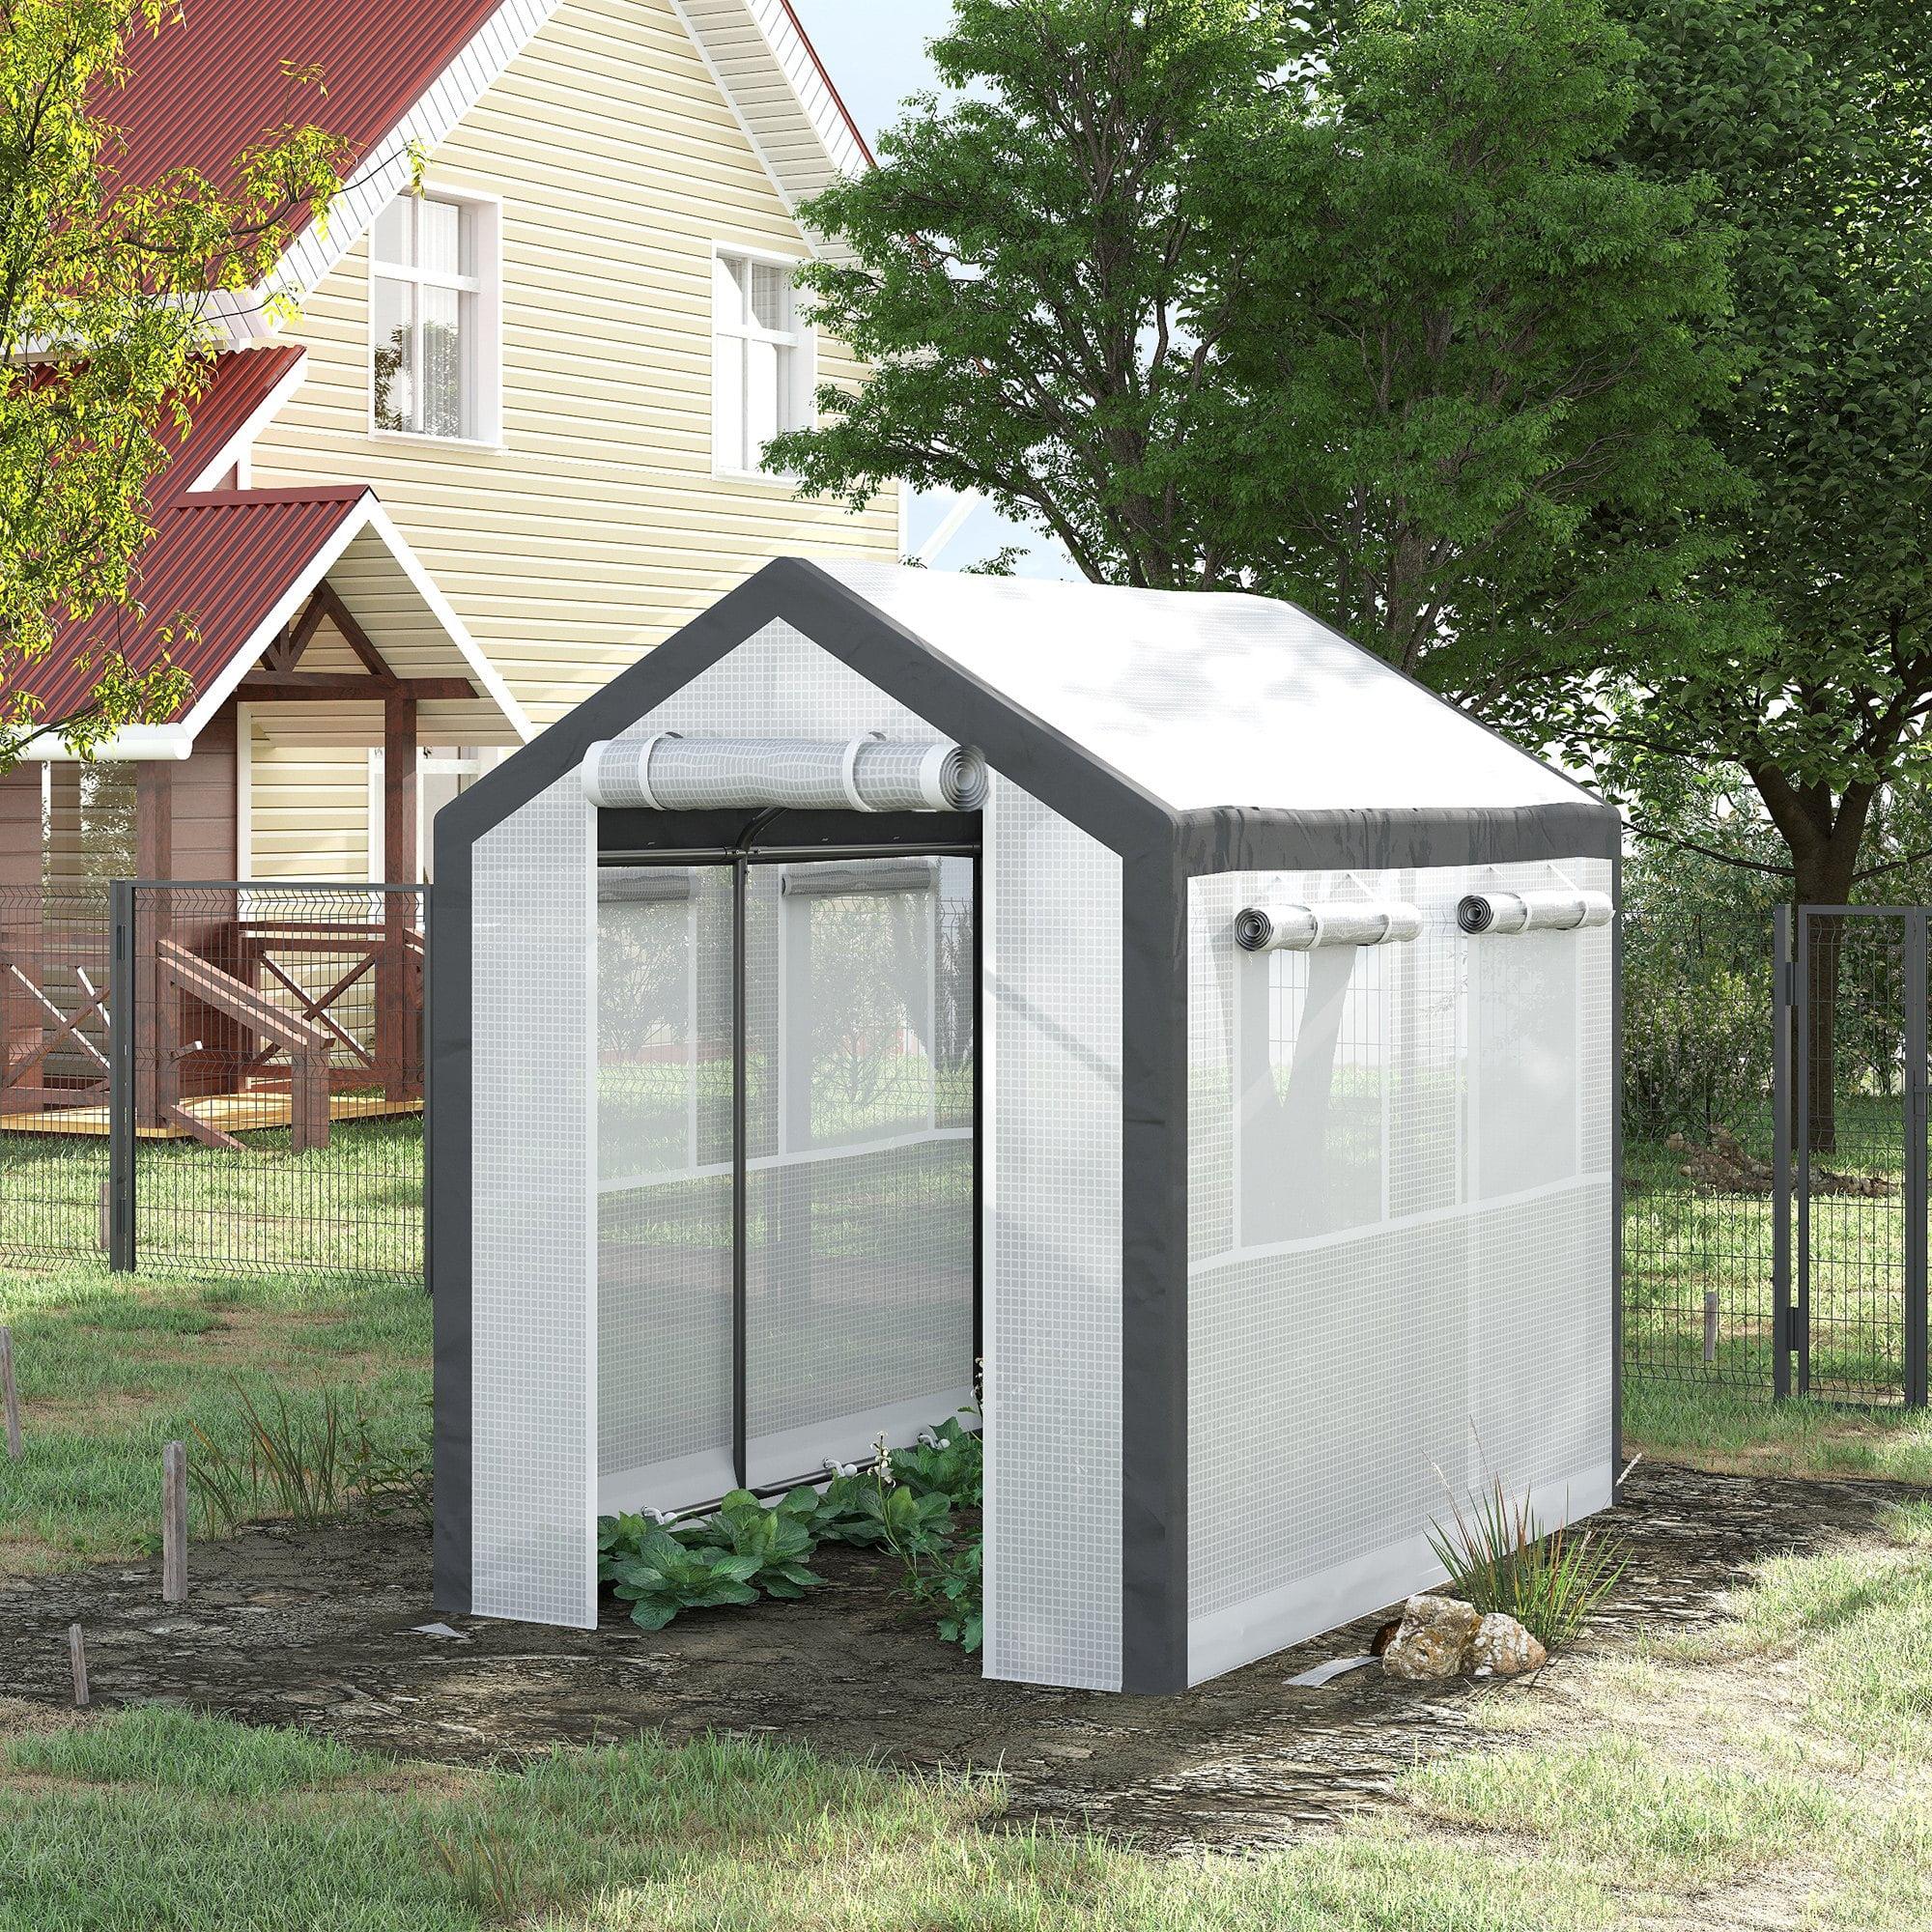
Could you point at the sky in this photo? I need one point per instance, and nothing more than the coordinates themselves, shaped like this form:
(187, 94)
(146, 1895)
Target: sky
(875, 53)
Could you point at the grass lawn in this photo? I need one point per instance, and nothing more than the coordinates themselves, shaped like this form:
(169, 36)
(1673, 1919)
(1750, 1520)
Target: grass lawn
(1774, 1770)
(111, 1366)
(353, 1206)
(1727, 1429)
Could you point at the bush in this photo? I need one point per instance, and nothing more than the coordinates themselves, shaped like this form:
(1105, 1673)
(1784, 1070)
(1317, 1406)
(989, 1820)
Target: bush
(1499, 1558)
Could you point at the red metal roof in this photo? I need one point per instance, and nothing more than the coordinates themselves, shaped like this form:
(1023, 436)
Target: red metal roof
(247, 554)
(202, 92)
(238, 385)
(222, 558)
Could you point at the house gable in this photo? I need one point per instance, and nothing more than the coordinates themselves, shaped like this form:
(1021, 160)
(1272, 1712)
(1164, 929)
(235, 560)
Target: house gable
(598, 526)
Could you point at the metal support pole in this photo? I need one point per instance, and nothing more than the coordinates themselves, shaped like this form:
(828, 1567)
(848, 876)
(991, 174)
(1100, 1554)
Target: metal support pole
(740, 1311)
(120, 1082)
(1782, 1315)
(1915, 1179)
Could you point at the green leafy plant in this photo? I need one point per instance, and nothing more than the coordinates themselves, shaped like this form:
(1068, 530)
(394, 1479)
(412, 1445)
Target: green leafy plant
(663, 1576)
(778, 1540)
(959, 1586)
(1499, 1558)
(949, 1461)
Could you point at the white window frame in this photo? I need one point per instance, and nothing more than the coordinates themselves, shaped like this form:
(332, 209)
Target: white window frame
(483, 372)
(796, 410)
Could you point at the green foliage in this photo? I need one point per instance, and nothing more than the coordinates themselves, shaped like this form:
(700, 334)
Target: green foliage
(107, 282)
(1478, 345)
(949, 1461)
(1499, 1558)
(661, 1577)
(778, 1540)
(745, 1549)
(291, 1462)
(1360, 309)
(309, 1462)
(393, 1480)
(1813, 671)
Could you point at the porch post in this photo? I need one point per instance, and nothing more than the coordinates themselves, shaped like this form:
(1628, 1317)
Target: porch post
(22, 939)
(397, 1003)
(156, 1074)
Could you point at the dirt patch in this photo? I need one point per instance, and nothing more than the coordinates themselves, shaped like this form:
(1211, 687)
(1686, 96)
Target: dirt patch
(317, 1629)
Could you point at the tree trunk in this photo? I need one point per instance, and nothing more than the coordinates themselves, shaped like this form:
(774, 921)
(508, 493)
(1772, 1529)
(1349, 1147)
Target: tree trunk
(1824, 878)
(1824, 834)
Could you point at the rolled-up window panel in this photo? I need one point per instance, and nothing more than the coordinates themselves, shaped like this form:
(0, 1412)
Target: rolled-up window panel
(1287, 927)
(642, 885)
(1505, 912)
(843, 882)
(672, 774)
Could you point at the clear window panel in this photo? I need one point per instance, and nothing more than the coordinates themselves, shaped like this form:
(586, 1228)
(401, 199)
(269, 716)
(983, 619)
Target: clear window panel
(761, 399)
(727, 292)
(393, 326)
(443, 350)
(395, 233)
(665, 1219)
(861, 1201)
(1312, 1099)
(441, 232)
(770, 296)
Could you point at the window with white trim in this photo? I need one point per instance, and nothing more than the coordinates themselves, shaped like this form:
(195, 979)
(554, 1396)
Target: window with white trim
(762, 359)
(433, 368)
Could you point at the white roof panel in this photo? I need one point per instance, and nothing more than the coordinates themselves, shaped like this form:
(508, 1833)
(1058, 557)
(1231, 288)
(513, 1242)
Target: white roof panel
(1209, 699)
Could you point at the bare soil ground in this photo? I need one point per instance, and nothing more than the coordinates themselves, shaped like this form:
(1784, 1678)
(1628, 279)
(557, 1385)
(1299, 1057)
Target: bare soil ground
(318, 1630)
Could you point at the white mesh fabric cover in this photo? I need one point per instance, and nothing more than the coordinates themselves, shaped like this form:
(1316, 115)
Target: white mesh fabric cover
(1050, 1195)
(699, 774)
(1052, 1105)
(533, 1341)
(1399, 1247)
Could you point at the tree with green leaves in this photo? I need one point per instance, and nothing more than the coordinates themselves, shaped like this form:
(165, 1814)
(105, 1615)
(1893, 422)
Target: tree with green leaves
(1810, 121)
(1349, 303)
(106, 298)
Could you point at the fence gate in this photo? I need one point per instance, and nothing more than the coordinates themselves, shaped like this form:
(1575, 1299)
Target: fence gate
(1852, 1109)
(266, 1078)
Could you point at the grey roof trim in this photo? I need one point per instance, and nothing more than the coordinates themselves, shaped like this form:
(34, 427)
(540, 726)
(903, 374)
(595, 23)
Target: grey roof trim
(1022, 747)
(1235, 839)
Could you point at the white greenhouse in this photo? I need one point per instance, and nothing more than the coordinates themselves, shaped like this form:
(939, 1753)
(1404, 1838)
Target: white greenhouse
(1152, 998)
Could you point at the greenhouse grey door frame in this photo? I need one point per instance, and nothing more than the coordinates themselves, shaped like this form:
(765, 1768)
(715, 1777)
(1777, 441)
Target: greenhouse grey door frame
(1796, 1314)
(687, 838)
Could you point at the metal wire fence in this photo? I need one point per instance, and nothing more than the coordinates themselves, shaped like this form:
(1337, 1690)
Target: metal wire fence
(55, 1008)
(244, 1094)
(1698, 1146)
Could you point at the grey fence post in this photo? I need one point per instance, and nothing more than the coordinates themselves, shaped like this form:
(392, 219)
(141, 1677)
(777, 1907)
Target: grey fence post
(122, 1030)
(1783, 1317)
(1915, 1179)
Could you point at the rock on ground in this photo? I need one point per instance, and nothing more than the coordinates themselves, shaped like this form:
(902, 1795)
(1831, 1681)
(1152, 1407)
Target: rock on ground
(1502, 1648)
(1434, 1639)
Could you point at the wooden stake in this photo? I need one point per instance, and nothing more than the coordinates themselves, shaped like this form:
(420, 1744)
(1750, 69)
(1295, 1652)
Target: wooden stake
(8, 1394)
(174, 1523)
(1710, 1324)
(77, 1650)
